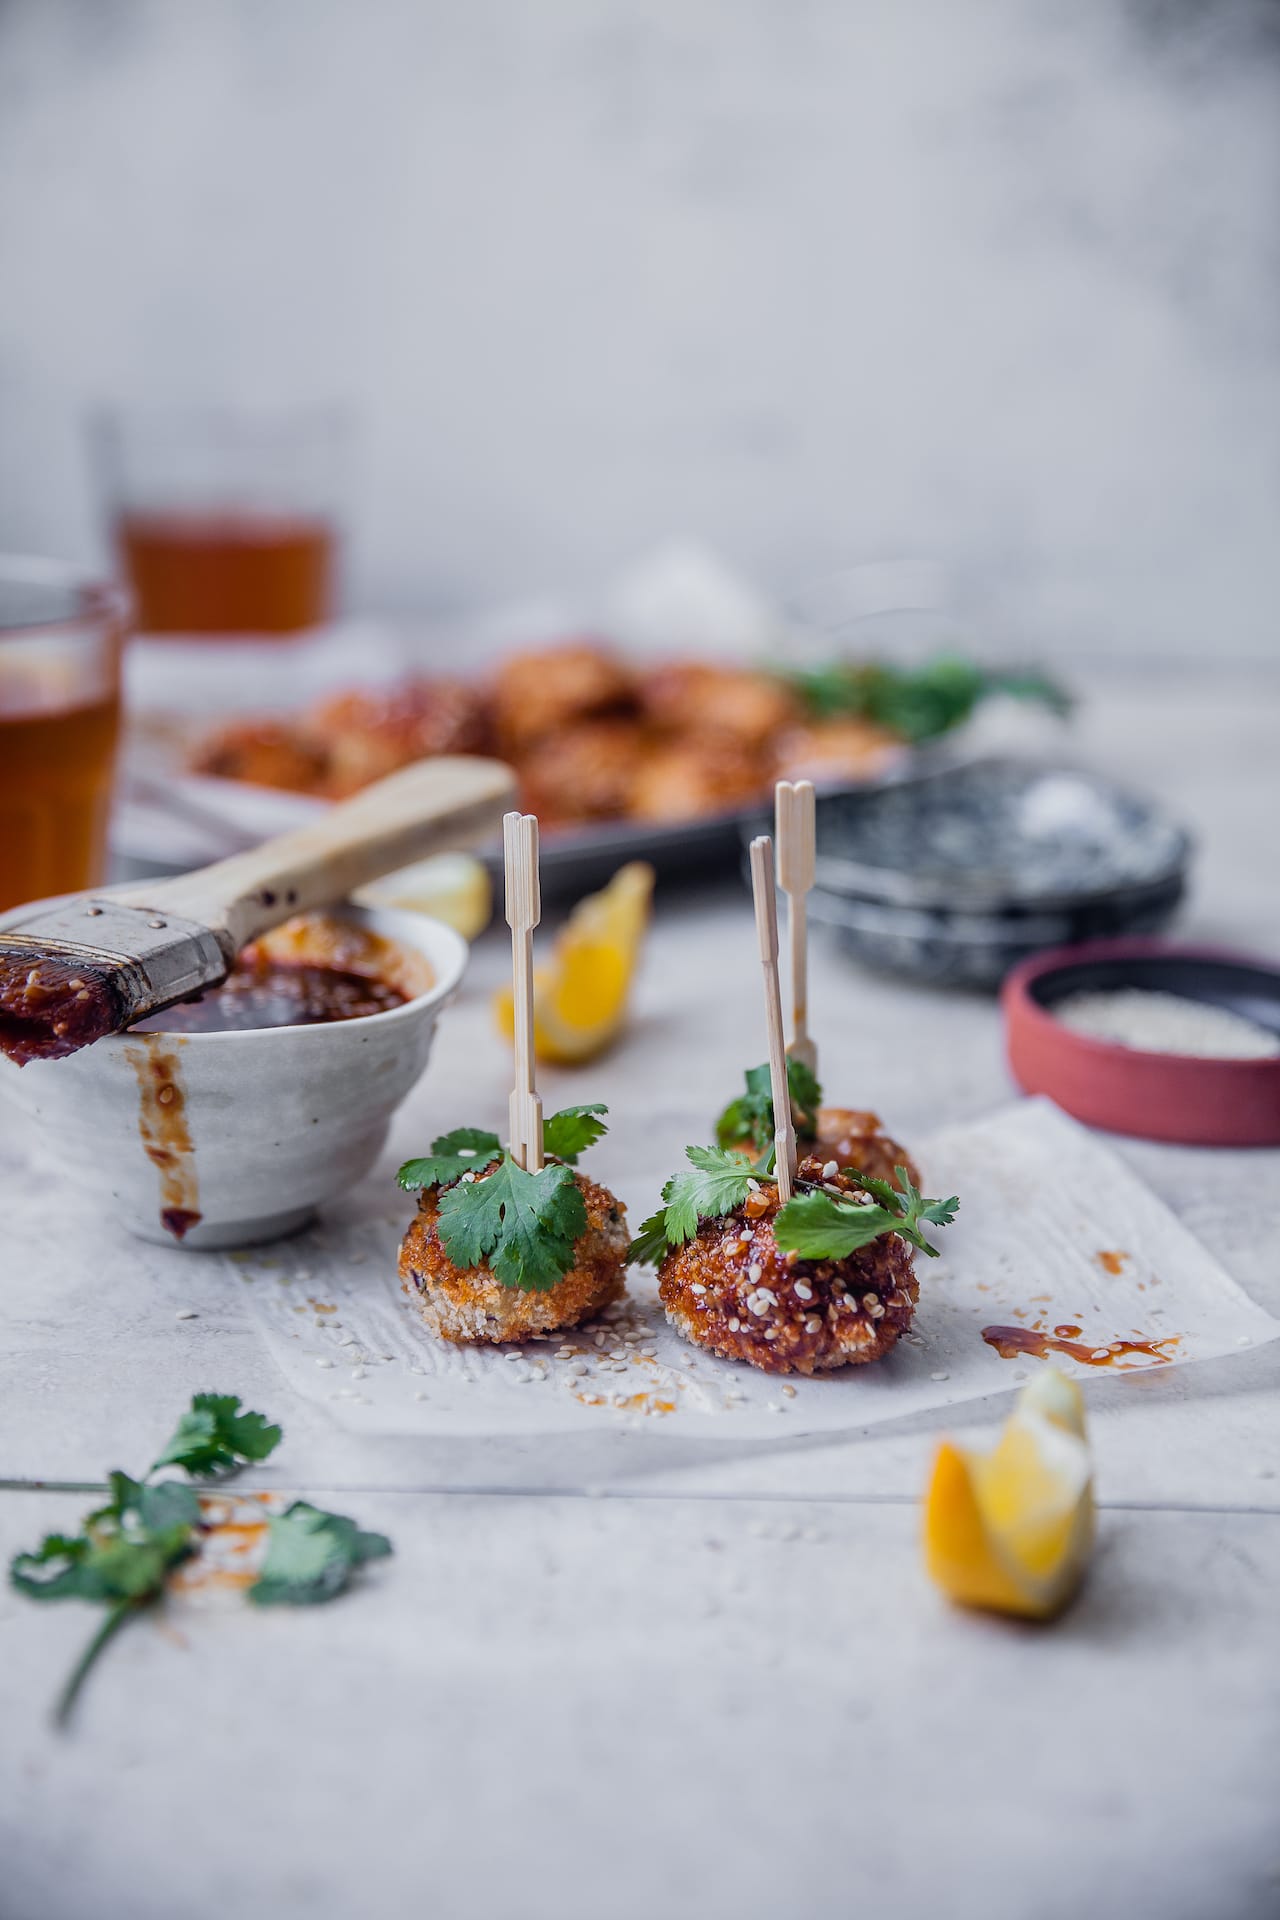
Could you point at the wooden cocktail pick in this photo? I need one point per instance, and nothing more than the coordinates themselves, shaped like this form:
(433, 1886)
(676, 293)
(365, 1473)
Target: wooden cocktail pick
(794, 824)
(524, 910)
(766, 899)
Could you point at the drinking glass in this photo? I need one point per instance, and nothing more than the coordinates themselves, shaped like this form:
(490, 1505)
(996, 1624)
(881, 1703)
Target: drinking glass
(225, 522)
(61, 636)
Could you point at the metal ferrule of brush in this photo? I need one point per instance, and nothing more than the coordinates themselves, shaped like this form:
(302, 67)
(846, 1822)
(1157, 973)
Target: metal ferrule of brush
(151, 958)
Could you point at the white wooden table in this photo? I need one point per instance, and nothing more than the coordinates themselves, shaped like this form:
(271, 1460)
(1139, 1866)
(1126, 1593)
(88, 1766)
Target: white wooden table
(645, 1674)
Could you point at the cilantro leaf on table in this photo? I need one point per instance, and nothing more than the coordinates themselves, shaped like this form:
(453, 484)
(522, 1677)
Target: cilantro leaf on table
(522, 1225)
(720, 1181)
(818, 1226)
(130, 1545)
(465, 1150)
(213, 1437)
(750, 1116)
(571, 1131)
(311, 1556)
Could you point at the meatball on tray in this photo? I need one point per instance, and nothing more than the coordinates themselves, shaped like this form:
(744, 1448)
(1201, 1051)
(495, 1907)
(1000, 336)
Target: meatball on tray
(1060, 1256)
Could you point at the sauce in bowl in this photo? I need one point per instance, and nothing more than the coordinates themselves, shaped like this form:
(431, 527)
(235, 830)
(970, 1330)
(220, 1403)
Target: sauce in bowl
(309, 972)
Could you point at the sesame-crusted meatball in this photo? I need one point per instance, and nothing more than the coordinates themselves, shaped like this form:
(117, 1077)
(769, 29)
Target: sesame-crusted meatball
(539, 693)
(856, 1139)
(470, 1305)
(732, 1290)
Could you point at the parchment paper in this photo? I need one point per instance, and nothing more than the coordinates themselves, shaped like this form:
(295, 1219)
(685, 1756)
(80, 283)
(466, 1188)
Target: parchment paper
(1053, 1229)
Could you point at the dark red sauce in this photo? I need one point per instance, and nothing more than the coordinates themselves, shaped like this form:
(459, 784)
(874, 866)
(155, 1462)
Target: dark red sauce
(50, 1007)
(1011, 1342)
(259, 992)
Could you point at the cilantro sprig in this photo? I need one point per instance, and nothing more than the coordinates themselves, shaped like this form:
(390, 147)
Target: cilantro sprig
(815, 1223)
(818, 1226)
(523, 1226)
(128, 1547)
(750, 1116)
(919, 703)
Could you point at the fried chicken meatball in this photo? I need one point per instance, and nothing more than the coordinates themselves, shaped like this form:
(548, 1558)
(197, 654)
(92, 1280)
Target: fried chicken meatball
(369, 734)
(730, 1289)
(585, 773)
(468, 1306)
(725, 703)
(266, 753)
(687, 780)
(855, 1139)
(536, 694)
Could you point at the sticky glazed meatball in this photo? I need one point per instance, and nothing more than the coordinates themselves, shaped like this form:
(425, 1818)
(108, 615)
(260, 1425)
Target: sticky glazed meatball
(266, 753)
(732, 1290)
(719, 703)
(587, 772)
(689, 779)
(469, 1306)
(366, 735)
(836, 750)
(855, 1139)
(536, 694)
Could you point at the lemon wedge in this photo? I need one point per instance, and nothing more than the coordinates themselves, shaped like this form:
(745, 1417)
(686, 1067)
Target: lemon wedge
(580, 999)
(1011, 1529)
(451, 887)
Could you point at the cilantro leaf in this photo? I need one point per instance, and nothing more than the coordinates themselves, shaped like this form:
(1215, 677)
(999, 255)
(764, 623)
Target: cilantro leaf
(649, 1247)
(466, 1149)
(920, 703)
(571, 1131)
(522, 1225)
(749, 1118)
(311, 1555)
(818, 1226)
(720, 1182)
(213, 1437)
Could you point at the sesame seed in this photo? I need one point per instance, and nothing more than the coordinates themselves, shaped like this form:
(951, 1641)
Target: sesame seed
(803, 1292)
(831, 1169)
(1102, 1353)
(870, 1302)
(755, 1272)
(790, 1392)
(324, 1363)
(516, 1358)
(735, 1325)
(186, 1313)
(939, 1376)
(813, 1323)
(753, 1186)
(358, 1373)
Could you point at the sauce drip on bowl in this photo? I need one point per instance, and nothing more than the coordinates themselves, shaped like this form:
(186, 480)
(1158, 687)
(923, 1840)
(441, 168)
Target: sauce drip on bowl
(262, 992)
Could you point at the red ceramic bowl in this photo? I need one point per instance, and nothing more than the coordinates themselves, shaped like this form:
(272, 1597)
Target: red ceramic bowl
(1157, 1096)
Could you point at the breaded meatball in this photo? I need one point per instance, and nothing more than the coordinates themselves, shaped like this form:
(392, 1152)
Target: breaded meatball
(730, 1289)
(691, 697)
(585, 773)
(469, 1306)
(855, 1139)
(369, 734)
(266, 753)
(536, 694)
(689, 779)
(836, 750)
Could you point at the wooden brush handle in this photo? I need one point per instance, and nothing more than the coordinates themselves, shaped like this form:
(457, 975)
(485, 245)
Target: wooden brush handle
(451, 801)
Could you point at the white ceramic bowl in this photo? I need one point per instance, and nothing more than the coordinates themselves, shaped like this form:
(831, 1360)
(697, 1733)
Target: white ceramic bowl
(248, 1131)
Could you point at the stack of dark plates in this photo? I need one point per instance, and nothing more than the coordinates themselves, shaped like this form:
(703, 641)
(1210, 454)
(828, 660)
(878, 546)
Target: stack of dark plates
(957, 876)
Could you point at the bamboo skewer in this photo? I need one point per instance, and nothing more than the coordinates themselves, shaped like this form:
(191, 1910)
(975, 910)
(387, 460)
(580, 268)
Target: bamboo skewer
(524, 910)
(766, 900)
(794, 825)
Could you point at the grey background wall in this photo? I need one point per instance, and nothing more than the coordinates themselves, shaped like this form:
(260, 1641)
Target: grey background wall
(814, 280)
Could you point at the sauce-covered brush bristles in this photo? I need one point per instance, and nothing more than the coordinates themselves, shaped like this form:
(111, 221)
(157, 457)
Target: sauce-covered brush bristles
(51, 1005)
(498, 1253)
(824, 1280)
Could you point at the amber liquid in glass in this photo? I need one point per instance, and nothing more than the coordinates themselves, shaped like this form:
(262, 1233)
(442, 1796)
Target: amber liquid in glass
(228, 572)
(56, 765)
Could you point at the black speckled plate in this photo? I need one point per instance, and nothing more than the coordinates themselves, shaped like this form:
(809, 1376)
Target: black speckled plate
(997, 835)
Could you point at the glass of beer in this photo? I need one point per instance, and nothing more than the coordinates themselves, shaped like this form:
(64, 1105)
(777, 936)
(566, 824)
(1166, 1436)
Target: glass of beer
(226, 523)
(61, 637)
